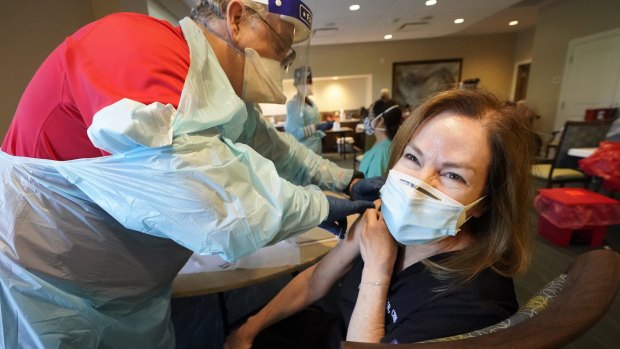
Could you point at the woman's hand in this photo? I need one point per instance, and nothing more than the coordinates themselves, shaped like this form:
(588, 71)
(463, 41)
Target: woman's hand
(377, 246)
(240, 338)
(379, 250)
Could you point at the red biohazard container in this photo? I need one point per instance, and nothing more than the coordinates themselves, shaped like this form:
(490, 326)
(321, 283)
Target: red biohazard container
(566, 212)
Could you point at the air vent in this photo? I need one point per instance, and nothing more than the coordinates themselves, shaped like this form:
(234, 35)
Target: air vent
(411, 26)
(325, 32)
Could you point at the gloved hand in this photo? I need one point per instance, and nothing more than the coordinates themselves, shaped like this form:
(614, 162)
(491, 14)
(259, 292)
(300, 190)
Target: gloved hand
(324, 126)
(339, 209)
(367, 189)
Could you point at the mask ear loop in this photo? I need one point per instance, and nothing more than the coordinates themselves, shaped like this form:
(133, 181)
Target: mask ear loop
(387, 110)
(374, 122)
(467, 208)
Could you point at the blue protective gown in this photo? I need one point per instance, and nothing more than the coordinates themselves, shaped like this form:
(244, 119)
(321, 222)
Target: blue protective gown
(298, 116)
(376, 159)
(90, 247)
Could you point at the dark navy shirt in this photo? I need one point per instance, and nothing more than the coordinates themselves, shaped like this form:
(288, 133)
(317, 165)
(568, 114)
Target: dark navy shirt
(416, 312)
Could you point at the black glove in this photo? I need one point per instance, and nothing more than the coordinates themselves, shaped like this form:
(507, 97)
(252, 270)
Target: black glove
(324, 126)
(367, 189)
(339, 209)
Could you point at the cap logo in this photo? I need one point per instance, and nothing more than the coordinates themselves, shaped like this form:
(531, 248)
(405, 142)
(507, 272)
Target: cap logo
(305, 15)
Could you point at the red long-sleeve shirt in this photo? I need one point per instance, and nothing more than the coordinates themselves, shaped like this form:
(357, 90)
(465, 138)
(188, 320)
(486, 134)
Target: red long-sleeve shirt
(124, 55)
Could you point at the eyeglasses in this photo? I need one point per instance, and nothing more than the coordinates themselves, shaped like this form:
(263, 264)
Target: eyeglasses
(291, 55)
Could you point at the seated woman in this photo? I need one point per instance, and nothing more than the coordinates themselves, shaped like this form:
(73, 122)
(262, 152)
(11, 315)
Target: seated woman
(437, 258)
(383, 122)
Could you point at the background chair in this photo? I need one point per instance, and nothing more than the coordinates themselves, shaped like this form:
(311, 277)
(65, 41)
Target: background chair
(565, 168)
(590, 287)
(546, 142)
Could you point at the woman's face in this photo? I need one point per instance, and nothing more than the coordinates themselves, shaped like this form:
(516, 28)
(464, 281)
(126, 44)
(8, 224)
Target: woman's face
(452, 154)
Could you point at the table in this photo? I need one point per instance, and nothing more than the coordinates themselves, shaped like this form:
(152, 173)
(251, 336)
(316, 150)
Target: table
(581, 152)
(197, 284)
(341, 133)
(219, 282)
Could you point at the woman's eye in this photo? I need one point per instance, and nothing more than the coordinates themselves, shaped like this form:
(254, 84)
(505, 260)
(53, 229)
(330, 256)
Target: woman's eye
(412, 157)
(454, 176)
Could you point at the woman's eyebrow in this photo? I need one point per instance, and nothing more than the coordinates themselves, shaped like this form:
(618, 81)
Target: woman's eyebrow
(449, 164)
(414, 148)
(460, 165)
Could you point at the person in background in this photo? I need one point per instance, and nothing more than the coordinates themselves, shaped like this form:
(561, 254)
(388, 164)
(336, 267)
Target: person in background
(171, 157)
(383, 123)
(438, 257)
(303, 119)
(385, 94)
(363, 112)
(469, 83)
(406, 110)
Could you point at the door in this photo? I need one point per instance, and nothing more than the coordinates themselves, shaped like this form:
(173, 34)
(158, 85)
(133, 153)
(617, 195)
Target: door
(591, 77)
(523, 74)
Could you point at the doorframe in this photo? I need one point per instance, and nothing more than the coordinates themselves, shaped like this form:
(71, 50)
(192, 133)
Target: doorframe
(515, 74)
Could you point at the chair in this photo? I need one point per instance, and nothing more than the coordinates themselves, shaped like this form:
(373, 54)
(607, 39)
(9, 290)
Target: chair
(590, 287)
(564, 168)
(545, 142)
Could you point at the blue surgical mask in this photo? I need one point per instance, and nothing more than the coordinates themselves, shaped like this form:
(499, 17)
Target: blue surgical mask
(417, 213)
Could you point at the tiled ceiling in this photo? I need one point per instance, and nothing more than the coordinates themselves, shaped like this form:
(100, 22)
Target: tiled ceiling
(334, 23)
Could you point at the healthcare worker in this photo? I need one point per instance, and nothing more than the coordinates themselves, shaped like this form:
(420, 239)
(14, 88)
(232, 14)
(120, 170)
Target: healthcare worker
(303, 120)
(382, 122)
(91, 244)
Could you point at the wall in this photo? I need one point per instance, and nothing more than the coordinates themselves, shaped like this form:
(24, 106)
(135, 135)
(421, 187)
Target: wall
(489, 57)
(31, 29)
(346, 93)
(558, 24)
(105, 7)
(157, 10)
(524, 44)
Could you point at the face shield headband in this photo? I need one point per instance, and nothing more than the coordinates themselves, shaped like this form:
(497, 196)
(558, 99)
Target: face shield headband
(293, 11)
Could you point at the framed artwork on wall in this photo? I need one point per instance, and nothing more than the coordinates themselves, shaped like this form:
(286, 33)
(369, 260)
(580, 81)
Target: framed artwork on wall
(413, 82)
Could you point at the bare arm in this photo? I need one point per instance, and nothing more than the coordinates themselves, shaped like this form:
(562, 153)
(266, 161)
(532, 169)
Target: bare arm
(379, 250)
(306, 288)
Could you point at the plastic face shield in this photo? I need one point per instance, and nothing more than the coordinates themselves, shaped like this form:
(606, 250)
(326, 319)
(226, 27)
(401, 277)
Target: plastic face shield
(295, 12)
(299, 14)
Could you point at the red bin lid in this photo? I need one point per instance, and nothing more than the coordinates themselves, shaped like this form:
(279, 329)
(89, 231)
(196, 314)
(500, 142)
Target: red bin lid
(576, 196)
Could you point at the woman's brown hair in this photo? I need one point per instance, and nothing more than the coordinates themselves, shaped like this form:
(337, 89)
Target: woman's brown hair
(501, 234)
